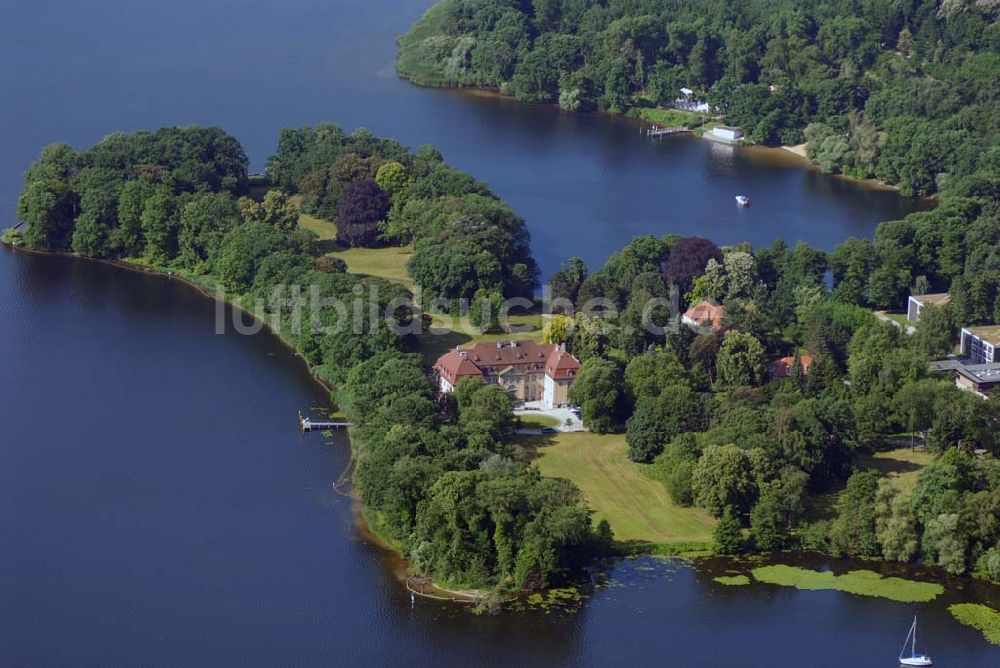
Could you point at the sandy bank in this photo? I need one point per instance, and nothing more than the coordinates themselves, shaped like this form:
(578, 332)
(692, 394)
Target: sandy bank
(798, 149)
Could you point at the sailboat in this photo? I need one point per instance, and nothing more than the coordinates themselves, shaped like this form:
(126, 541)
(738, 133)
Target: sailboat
(913, 659)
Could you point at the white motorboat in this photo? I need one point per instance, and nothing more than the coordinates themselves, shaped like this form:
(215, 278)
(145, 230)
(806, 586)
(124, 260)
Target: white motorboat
(743, 200)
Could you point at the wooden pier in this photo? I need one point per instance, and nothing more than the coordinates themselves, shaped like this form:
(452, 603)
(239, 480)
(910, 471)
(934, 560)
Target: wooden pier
(657, 131)
(308, 424)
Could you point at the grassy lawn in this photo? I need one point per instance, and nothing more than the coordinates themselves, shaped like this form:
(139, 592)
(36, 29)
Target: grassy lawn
(898, 318)
(701, 130)
(900, 465)
(388, 263)
(667, 117)
(637, 507)
(530, 421)
(324, 229)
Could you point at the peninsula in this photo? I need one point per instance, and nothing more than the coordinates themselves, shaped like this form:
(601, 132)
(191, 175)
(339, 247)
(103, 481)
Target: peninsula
(732, 432)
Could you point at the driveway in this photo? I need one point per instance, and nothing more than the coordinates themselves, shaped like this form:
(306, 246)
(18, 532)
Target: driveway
(908, 329)
(561, 415)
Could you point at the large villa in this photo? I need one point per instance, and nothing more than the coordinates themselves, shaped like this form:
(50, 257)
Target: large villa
(530, 371)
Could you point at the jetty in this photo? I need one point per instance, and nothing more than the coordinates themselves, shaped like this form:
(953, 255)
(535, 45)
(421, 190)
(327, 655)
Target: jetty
(657, 131)
(308, 424)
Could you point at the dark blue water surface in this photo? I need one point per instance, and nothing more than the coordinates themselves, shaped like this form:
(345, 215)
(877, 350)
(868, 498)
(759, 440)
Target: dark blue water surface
(77, 71)
(157, 503)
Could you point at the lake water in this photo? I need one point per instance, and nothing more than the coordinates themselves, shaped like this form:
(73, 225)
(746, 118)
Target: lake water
(158, 506)
(157, 503)
(585, 184)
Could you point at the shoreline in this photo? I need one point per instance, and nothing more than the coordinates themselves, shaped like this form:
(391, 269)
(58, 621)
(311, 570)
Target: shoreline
(785, 150)
(799, 151)
(394, 559)
(361, 521)
(197, 287)
(402, 570)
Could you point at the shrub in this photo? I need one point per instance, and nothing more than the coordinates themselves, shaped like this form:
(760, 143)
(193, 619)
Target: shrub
(361, 207)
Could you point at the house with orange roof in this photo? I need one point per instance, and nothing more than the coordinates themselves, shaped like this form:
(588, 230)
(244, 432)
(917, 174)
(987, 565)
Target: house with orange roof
(703, 313)
(782, 368)
(528, 370)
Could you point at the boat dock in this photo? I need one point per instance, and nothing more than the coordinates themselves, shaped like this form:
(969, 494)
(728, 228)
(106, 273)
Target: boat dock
(308, 424)
(657, 131)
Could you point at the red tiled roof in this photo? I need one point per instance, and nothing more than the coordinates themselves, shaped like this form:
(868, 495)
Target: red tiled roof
(561, 365)
(491, 358)
(783, 368)
(706, 312)
(454, 365)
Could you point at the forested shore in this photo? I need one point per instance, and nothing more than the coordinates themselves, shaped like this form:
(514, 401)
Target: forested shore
(901, 93)
(808, 455)
(176, 201)
(443, 479)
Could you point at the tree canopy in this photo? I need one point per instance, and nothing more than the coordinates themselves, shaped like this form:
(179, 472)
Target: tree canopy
(436, 477)
(898, 91)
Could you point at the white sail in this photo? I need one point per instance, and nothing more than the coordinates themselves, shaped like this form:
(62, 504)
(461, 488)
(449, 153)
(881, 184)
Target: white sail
(914, 659)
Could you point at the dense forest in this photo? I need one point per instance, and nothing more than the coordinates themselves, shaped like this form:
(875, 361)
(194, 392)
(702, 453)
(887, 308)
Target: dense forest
(434, 476)
(701, 410)
(902, 91)
(466, 241)
(440, 476)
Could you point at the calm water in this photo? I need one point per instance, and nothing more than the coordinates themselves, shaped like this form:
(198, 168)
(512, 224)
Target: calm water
(157, 504)
(76, 71)
(159, 507)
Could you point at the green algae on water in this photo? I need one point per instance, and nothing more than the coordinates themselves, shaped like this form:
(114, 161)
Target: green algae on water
(980, 617)
(861, 583)
(566, 598)
(732, 580)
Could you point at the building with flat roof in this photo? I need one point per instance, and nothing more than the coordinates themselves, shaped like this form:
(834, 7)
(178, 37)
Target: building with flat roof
(725, 133)
(980, 344)
(917, 302)
(978, 378)
(528, 370)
